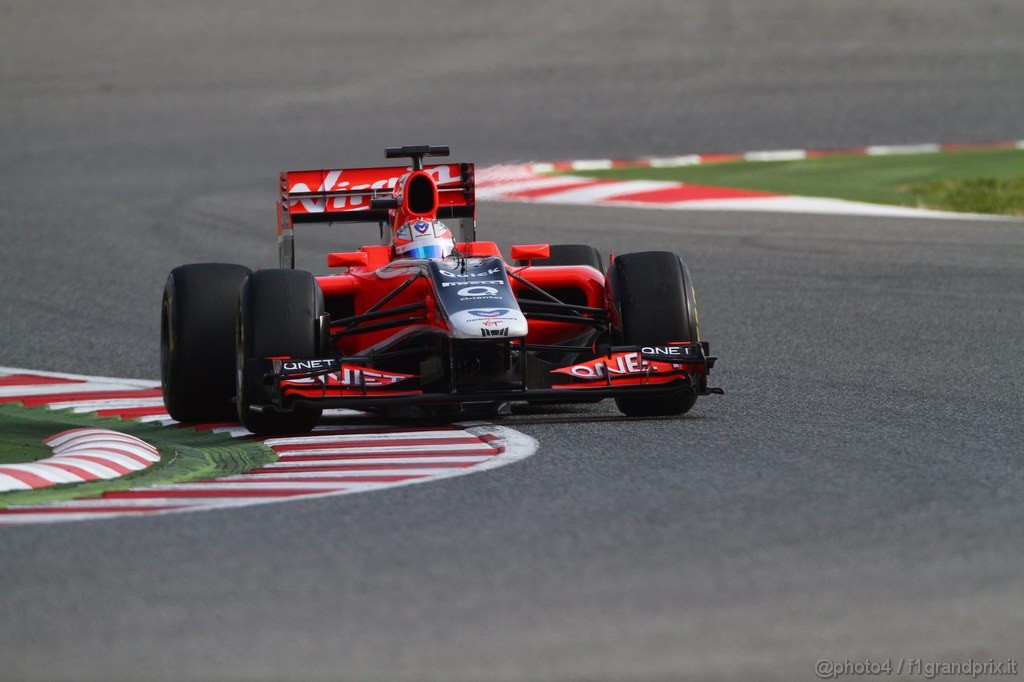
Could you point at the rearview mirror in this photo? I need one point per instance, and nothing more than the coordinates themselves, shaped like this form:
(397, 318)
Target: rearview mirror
(345, 259)
(531, 252)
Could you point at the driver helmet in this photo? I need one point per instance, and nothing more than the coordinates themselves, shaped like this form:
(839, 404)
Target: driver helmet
(423, 238)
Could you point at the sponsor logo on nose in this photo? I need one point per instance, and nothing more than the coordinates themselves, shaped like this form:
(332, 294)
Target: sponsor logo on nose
(477, 291)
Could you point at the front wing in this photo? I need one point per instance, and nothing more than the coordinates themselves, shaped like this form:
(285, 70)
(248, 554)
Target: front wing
(619, 371)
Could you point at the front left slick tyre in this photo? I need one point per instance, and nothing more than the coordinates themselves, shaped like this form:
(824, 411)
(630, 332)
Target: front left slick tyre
(278, 316)
(197, 340)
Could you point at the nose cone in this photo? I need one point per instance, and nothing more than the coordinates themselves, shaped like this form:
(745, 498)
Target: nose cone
(477, 300)
(479, 323)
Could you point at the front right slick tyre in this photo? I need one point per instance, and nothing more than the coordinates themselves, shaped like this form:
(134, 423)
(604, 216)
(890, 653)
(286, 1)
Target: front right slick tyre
(278, 316)
(655, 304)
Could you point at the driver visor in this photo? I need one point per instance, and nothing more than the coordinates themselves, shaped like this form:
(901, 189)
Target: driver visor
(433, 251)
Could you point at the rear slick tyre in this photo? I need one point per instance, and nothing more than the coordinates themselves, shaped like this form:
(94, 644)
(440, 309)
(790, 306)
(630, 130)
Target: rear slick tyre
(278, 316)
(197, 341)
(654, 301)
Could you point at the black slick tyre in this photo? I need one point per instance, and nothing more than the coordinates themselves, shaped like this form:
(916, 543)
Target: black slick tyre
(197, 340)
(654, 302)
(278, 316)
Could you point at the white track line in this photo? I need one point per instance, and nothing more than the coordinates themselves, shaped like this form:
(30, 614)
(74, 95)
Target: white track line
(531, 184)
(675, 161)
(886, 149)
(597, 193)
(164, 419)
(106, 404)
(366, 437)
(357, 473)
(99, 503)
(822, 206)
(233, 431)
(217, 486)
(365, 450)
(134, 383)
(51, 517)
(440, 459)
(592, 164)
(45, 389)
(777, 155)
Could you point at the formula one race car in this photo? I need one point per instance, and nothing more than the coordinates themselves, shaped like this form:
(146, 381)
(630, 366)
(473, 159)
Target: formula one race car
(424, 324)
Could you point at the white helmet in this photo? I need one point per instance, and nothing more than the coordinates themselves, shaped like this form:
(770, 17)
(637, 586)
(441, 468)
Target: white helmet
(423, 238)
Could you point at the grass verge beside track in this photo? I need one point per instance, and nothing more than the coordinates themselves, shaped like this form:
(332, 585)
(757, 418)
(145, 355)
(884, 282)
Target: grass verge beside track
(978, 181)
(1003, 196)
(21, 438)
(185, 453)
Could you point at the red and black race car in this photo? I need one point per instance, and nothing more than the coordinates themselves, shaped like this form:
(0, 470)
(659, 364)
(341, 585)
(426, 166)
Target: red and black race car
(425, 324)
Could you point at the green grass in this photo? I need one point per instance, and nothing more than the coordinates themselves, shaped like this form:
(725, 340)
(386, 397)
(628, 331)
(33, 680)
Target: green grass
(186, 454)
(973, 195)
(21, 438)
(900, 179)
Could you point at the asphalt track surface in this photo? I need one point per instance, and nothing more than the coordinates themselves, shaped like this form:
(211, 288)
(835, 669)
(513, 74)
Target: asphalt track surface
(857, 494)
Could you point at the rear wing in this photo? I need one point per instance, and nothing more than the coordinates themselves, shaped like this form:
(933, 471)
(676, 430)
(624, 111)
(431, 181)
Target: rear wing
(345, 196)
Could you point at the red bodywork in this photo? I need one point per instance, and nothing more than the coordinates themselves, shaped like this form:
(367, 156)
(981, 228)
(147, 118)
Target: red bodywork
(346, 195)
(365, 285)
